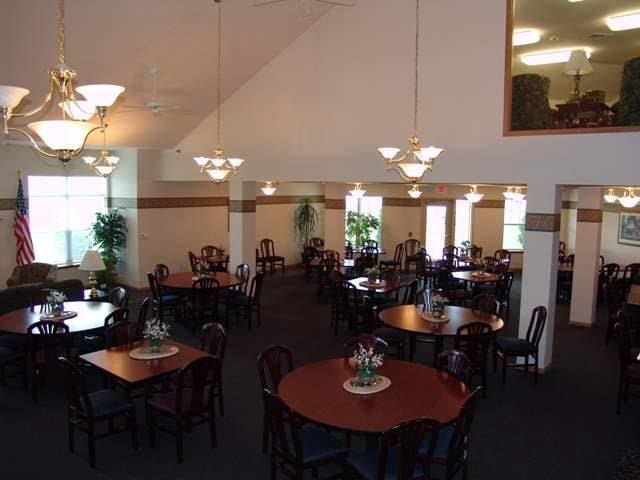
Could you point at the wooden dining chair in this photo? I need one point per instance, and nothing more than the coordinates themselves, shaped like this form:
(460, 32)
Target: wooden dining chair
(85, 410)
(369, 256)
(274, 362)
(191, 403)
(120, 333)
(326, 267)
(309, 254)
(295, 449)
(503, 256)
(164, 302)
(51, 339)
(486, 303)
(143, 315)
(193, 262)
(411, 248)
(247, 305)
(347, 306)
(203, 302)
(456, 363)
(629, 367)
(396, 261)
(316, 242)
(474, 340)
(370, 243)
(161, 270)
(208, 251)
(213, 340)
(119, 297)
(608, 274)
(406, 452)
(505, 347)
(268, 252)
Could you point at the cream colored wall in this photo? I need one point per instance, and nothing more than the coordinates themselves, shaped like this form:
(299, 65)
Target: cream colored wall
(487, 227)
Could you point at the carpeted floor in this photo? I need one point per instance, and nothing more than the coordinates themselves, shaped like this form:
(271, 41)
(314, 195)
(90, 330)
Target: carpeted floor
(566, 427)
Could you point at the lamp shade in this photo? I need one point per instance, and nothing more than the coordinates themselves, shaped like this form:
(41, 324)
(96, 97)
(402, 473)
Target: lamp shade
(388, 152)
(578, 64)
(92, 262)
(62, 134)
(101, 95)
(413, 170)
(10, 97)
(218, 174)
(78, 109)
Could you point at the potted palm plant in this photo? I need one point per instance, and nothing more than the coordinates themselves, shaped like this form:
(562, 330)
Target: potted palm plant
(305, 221)
(109, 234)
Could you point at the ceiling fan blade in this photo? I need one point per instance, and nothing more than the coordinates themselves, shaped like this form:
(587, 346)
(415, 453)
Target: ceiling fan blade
(266, 2)
(342, 3)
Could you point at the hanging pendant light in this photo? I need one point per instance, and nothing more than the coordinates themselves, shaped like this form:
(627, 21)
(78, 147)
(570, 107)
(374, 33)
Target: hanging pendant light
(357, 192)
(66, 138)
(414, 192)
(268, 189)
(473, 196)
(416, 160)
(219, 168)
(517, 195)
(629, 199)
(610, 196)
(106, 163)
(508, 194)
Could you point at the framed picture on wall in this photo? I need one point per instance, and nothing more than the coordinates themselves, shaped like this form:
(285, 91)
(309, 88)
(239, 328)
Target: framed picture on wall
(629, 229)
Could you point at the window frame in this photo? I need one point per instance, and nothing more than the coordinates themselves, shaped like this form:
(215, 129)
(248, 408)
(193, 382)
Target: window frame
(358, 203)
(523, 205)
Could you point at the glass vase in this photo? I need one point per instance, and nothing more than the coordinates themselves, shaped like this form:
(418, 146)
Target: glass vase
(365, 376)
(155, 345)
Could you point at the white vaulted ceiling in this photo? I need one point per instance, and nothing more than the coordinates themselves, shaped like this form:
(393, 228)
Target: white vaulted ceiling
(118, 41)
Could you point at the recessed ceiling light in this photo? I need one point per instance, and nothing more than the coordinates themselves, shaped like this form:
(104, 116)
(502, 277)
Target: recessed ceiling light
(525, 37)
(551, 56)
(628, 21)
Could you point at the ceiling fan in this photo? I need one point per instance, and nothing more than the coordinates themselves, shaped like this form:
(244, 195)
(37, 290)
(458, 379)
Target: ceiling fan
(305, 5)
(154, 106)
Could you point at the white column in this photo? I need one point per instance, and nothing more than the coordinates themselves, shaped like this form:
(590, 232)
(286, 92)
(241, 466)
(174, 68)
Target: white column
(584, 293)
(242, 224)
(540, 265)
(334, 211)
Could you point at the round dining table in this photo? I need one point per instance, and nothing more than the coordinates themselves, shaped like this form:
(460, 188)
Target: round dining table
(184, 280)
(315, 392)
(408, 318)
(90, 317)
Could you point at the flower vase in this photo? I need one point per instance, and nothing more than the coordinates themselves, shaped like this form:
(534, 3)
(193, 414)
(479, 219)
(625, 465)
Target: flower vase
(437, 310)
(365, 376)
(372, 279)
(155, 345)
(57, 309)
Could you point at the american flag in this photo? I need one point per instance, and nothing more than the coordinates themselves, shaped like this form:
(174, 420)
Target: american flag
(21, 230)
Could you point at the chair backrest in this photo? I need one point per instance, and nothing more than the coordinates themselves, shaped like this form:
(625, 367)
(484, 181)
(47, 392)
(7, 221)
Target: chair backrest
(398, 254)
(411, 247)
(486, 303)
(610, 271)
(118, 315)
(78, 399)
(459, 443)
(309, 253)
(452, 260)
(408, 441)
(614, 297)
(367, 341)
(623, 341)
(119, 297)
(455, 363)
(410, 292)
(154, 286)
(204, 292)
(143, 314)
(500, 268)
(255, 292)
(490, 261)
(474, 251)
(390, 275)
(208, 251)
(194, 386)
(333, 254)
(47, 340)
(120, 333)
(473, 339)
(274, 362)
(347, 298)
(316, 242)
(450, 249)
(503, 256)
(243, 271)
(570, 260)
(213, 340)
(193, 261)
(503, 286)
(267, 247)
(328, 265)
(161, 270)
(370, 243)
(536, 325)
(443, 279)
(284, 426)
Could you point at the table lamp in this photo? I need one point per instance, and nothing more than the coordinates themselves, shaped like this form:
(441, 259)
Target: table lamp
(92, 263)
(577, 67)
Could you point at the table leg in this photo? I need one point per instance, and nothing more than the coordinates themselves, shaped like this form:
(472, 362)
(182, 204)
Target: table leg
(412, 346)
(437, 348)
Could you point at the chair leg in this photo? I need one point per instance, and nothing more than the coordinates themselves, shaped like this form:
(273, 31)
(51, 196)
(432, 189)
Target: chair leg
(71, 436)
(92, 446)
(535, 371)
(133, 426)
(212, 429)
(265, 434)
(179, 442)
(620, 388)
(151, 427)
(504, 368)
(221, 398)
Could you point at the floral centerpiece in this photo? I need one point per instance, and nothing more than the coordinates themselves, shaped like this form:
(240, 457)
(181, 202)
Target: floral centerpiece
(221, 252)
(373, 274)
(437, 305)
(481, 266)
(202, 268)
(155, 331)
(55, 301)
(367, 362)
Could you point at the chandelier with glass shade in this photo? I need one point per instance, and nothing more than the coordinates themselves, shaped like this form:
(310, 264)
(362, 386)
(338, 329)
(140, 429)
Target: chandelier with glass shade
(357, 191)
(65, 138)
(219, 168)
(629, 199)
(106, 163)
(414, 192)
(416, 160)
(269, 188)
(473, 195)
(610, 196)
(514, 193)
